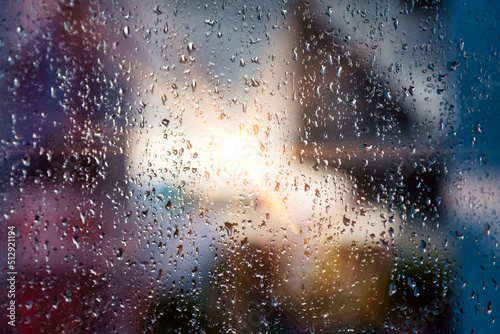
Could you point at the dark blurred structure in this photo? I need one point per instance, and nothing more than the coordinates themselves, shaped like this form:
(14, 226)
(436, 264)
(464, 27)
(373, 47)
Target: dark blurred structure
(62, 169)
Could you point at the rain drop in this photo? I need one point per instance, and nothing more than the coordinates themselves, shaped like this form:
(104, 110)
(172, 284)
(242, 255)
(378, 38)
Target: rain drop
(126, 32)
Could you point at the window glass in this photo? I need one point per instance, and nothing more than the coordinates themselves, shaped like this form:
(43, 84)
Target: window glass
(249, 167)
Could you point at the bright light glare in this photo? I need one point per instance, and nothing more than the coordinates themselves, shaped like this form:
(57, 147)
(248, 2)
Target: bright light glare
(237, 155)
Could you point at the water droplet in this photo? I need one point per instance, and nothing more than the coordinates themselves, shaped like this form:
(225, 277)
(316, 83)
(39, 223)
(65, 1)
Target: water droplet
(244, 243)
(487, 230)
(76, 242)
(157, 10)
(388, 95)
(477, 128)
(351, 102)
(346, 221)
(423, 246)
(329, 11)
(452, 65)
(26, 160)
(460, 45)
(411, 283)
(29, 304)
(230, 227)
(392, 289)
(412, 90)
(126, 32)
(339, 71)
(119, 254)
(209, 22)
(67, 296)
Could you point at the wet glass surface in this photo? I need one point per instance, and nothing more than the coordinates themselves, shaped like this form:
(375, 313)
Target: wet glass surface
(249, 167)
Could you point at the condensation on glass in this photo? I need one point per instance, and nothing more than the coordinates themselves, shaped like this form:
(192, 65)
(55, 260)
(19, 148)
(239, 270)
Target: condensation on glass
(247, 167)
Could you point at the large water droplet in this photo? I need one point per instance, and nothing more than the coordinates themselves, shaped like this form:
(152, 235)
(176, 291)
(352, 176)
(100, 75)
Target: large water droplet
(392, 289)
(126, 32)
